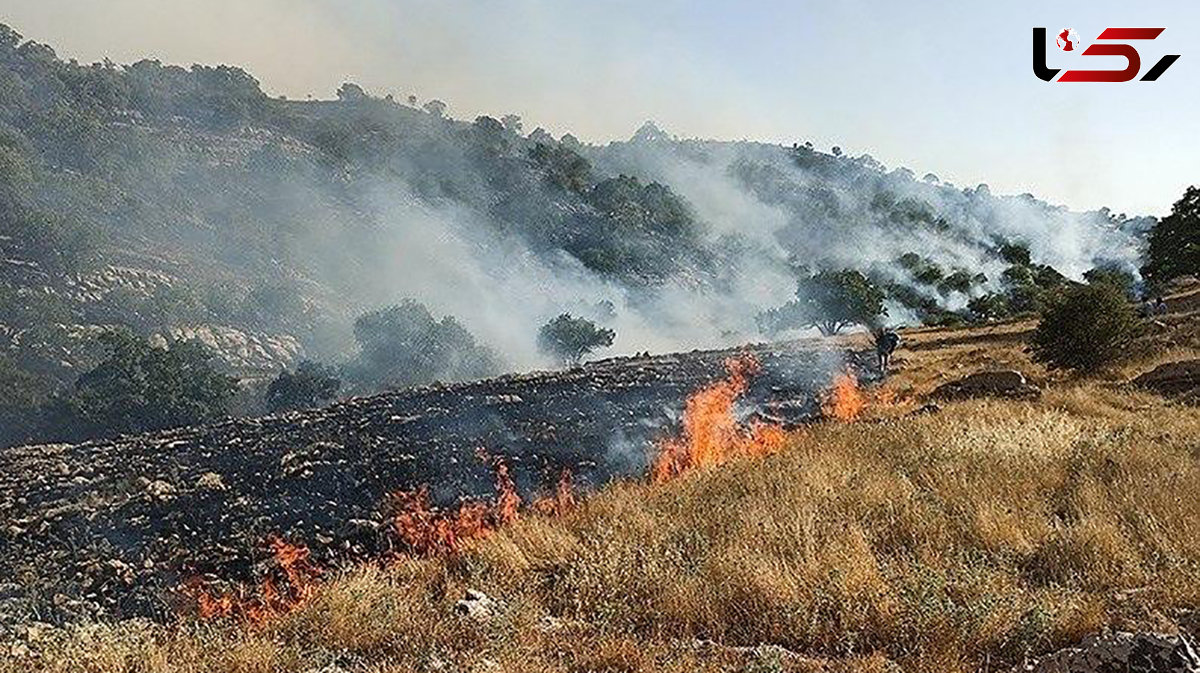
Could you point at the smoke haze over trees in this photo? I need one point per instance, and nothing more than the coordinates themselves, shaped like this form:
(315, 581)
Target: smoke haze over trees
(184, 203)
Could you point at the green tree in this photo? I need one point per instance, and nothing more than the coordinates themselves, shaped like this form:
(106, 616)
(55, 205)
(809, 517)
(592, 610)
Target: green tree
(989, 307)
(1084, 327)
(830, 301)
(1113, 275)
(569, 339)
(311, 385)
(405, 345)
(139, 387)
(1174, 248)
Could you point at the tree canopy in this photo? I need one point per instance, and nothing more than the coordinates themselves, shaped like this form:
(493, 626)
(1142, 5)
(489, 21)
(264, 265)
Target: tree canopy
(311, 384)
(139, 387)
(406, 345)
(569, 339)
(1174, 246)
(829, 300)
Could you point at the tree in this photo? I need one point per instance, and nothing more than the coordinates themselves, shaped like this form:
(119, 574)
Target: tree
(1174, 248)
(435, 107)
(569, 339)
(512, 123)
(1114, 275)
(830, 301)
(311, 385)
(989, 307)
(350, 92)
(139, 387)
(406, 345)
(1084, 327)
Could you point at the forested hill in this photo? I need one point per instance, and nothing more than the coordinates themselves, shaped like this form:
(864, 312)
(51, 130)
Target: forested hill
(185, 203)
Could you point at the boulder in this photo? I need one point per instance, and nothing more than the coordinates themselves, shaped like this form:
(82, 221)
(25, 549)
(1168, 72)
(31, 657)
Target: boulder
(1173, 379)
(477, 606)
(999, 383)
(1140, 652)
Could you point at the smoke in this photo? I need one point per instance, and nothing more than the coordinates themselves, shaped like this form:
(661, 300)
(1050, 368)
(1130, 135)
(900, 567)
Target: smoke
(841, 213)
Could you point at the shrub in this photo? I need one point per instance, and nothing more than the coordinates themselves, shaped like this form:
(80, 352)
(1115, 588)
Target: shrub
(568, 338)
(1085, 327)
(311, 385)
(139, 387)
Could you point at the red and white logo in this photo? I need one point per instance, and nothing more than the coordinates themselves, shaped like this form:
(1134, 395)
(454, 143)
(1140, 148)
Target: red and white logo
(1067, 39)
(1106, 44)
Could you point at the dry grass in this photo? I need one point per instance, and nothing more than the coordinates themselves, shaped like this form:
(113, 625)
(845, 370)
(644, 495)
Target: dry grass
(958, 541)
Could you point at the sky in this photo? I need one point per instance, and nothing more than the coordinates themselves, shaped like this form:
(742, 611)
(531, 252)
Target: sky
(936, 87)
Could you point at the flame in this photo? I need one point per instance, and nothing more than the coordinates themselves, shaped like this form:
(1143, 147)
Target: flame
(562, 501)
(711, 433)
(844, 401)
(271, 598)
(425, 530)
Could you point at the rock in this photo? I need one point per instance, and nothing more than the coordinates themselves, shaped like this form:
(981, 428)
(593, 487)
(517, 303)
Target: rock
(1173, 379)
(210, 481)
(477, 606)
(160, 490)
(999, 383)
(1140, 653)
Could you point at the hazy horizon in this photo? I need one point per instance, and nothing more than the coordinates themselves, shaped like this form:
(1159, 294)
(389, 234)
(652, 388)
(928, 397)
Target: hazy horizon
(935, 89)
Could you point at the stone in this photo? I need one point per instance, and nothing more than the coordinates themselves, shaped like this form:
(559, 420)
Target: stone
(1139, 653)
(1008, 383)
(210, 481)
(1173, 379)
(477, 606)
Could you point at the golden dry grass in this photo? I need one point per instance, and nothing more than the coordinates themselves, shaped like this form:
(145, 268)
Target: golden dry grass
(958, 541)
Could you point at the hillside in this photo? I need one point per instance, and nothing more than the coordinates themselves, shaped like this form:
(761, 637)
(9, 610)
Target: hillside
(185, 203)
(979, 535)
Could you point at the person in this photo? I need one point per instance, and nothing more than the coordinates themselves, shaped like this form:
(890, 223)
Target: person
(886, 342)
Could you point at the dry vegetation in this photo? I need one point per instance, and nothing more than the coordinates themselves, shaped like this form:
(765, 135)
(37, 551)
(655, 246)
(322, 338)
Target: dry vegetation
(957, 541)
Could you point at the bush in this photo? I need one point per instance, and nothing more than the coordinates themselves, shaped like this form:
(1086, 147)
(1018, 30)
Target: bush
(1085, 327)
(311, 385)
(405, 345)
(139, 387)
(569, 338)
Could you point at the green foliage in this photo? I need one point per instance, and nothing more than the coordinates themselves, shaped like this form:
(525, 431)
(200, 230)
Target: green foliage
(311, 385)
(569, 339)
(22, 395)
(1112, 275)
(139, 387)
(989, 307)
(830, 301)
(1174, 248)
(563, 168)
(1085, 327)
(1015, 253)
(405, 345)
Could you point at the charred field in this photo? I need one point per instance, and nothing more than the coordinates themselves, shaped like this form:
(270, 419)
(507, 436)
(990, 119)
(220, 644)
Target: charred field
(977, 534)
(127, 527)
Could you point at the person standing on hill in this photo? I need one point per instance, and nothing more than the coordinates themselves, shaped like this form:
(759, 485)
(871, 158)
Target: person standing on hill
(886, 343)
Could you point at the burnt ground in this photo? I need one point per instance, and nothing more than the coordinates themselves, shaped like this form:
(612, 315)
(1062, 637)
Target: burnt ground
(112, 529)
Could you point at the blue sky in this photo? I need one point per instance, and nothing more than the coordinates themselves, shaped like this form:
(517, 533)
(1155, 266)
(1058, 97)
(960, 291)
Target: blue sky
(934, 86)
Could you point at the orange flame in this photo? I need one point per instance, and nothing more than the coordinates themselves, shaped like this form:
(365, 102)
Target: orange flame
(426, 530)
(711, 433)
(562, 501)
(270, 599)
(844, 401)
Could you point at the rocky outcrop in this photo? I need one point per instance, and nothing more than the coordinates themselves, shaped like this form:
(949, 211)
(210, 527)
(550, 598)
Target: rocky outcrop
(1123, 653)
(1173, 379)
(1007, 383)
